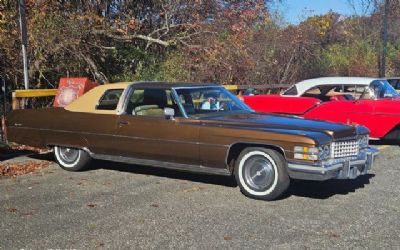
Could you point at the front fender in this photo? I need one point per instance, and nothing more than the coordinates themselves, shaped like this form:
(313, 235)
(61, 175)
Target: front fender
(281, 104)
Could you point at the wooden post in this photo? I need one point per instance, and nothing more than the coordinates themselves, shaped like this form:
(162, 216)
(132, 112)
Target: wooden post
(3, 129)
(18, 102)
(14, 101)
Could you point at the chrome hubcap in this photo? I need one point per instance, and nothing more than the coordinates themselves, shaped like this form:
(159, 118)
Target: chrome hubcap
(69, 155)
(259, 173)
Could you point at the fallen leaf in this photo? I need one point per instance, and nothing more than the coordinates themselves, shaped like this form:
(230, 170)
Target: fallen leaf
(227, 238)
(91, 205)
(193, 189)
(20, 168)
(29, 148)
(12, 210)
(332, 234)
(27, 214)
(154, 205)
(100, 245)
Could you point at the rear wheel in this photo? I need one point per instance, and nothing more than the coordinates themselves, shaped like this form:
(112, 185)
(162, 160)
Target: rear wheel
(261, 173)
(71, 159)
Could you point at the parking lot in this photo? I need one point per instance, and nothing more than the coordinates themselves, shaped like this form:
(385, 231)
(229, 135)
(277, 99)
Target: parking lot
(116, 206)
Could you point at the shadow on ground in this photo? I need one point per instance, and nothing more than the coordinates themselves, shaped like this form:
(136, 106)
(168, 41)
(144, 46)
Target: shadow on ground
(326, 189)
(309, 189)
(10, 154)
(167, 173)
(48, 156)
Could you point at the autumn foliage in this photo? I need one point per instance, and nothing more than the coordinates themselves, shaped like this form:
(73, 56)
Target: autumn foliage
(232, 42)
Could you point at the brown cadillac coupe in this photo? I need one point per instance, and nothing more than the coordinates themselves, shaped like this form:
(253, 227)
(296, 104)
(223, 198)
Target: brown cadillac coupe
(194, 127)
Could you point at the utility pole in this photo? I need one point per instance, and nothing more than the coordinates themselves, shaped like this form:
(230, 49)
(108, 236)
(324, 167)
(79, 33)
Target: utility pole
(24, 40)
(4, 110)
(382, 70)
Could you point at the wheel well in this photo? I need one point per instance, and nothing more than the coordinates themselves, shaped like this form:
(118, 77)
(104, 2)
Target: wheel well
(393, 136)
(51, 145)
(237, 148)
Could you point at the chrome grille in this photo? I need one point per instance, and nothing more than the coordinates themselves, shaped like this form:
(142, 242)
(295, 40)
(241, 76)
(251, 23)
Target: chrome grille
(345, 148)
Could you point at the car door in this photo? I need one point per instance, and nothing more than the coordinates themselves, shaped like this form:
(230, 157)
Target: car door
(360, 110)
(144, 132)
(98, 128)
(348, 112)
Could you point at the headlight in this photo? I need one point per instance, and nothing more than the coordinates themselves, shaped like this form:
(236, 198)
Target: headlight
(363, 141)
(312, 153)
(324, 151)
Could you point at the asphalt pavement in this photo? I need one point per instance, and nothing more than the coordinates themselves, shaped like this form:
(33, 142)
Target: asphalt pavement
(117, 206)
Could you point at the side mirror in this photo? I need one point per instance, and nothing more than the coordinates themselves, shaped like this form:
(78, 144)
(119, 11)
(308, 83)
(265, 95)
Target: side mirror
(169, 113)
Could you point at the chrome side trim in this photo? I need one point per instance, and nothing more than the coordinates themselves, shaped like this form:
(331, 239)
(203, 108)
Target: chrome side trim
(122, 136)
(168, 165)
(209, 85)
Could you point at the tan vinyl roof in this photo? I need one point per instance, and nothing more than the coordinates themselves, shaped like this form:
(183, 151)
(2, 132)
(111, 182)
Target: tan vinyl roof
(87, 102)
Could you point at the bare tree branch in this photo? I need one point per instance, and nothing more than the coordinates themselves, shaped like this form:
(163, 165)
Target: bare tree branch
(97, 73)
(132, 37)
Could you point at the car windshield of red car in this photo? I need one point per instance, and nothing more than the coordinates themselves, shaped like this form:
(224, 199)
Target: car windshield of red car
(382, 89)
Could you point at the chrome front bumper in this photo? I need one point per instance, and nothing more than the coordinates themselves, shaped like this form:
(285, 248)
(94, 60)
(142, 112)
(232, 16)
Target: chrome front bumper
(342, 168)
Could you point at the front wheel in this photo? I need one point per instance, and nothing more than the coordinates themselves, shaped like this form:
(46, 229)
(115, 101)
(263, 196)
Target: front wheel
(261, 173)
(71, 159)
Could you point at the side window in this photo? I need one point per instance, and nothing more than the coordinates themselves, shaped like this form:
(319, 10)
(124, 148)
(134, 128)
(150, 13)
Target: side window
(356, 92)
(170, 100)
(314, 92)
(137, 96)
(109, 100)
(151, 102)
(291, 91)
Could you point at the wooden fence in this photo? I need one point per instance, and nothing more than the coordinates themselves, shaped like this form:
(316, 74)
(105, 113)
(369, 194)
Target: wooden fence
(19, 97)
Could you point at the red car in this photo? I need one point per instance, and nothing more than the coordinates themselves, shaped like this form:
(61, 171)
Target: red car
(371, 102)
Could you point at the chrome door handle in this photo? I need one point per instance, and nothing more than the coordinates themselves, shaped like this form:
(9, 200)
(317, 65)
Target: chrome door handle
(123, 123)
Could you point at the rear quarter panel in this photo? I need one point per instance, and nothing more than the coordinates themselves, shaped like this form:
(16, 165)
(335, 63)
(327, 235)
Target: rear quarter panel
(57, 126)
(387, 115)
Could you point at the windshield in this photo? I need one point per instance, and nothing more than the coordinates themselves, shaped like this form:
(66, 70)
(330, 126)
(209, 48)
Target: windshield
(201, 101)
(382, 89)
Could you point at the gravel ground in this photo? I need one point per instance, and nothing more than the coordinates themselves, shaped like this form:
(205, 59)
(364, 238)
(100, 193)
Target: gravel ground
(117, 206)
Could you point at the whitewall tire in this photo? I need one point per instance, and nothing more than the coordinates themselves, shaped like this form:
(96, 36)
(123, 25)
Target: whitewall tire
(261, 173)
(71, 159)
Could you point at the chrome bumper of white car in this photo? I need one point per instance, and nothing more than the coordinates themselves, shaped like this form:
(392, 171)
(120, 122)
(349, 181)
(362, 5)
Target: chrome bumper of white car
(337, 168)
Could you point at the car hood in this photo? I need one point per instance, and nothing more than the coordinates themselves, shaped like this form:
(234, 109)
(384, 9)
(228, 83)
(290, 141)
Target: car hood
(288, 124)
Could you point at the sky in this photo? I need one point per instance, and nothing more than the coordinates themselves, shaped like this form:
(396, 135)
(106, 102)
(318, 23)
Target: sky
(295, 11)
